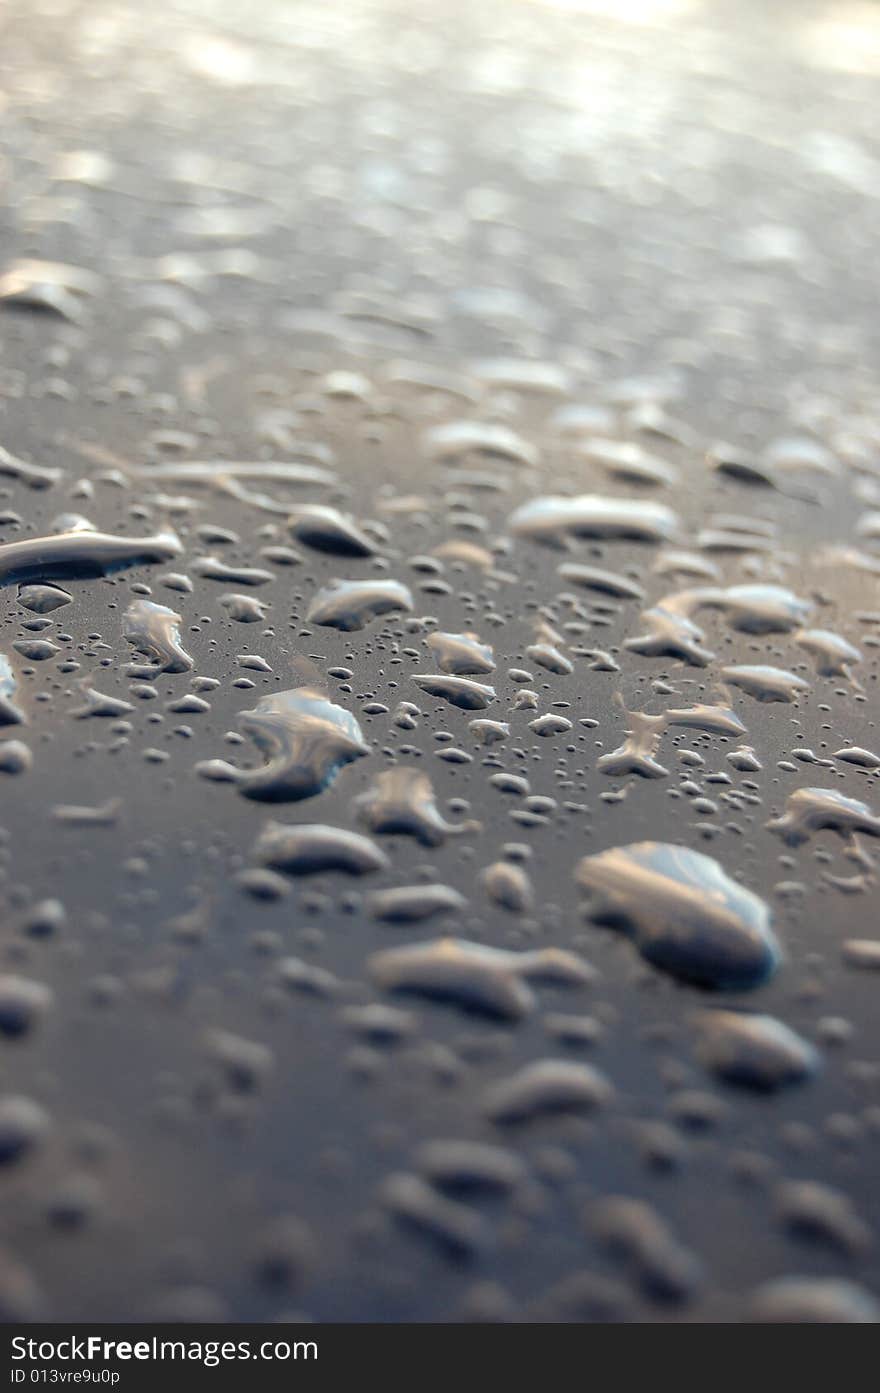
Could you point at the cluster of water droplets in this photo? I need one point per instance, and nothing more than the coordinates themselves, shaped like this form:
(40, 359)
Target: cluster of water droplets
(566, 710)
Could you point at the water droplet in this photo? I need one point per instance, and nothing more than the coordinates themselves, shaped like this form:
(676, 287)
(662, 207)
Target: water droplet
(685, 915)
(350, 605)
(306, 739)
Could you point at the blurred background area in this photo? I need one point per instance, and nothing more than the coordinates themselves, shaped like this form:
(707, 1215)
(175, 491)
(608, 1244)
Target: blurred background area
(676, 187)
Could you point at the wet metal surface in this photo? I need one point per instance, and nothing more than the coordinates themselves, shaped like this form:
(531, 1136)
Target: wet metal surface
(439, 869)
